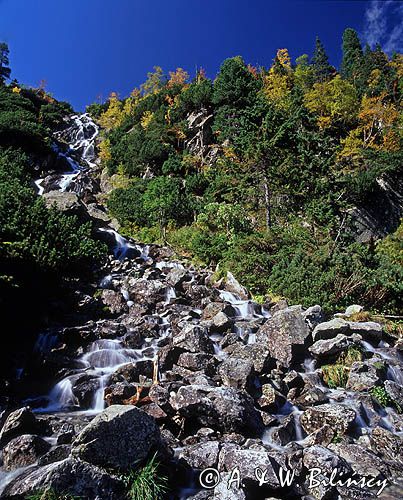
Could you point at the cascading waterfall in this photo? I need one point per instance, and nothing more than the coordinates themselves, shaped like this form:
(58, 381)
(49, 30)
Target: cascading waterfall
(245, 309)
(80, 155)
(102, 357)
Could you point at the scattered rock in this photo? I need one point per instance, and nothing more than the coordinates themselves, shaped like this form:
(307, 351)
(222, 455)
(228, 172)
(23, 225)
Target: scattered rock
(330, 329)
(364, 375)
(224, 409)
(71, 476)
(353, 309)
(236, 372)
(201, 455)
(19, 422)
(23, 450)
(119, 437)
(195, 339)
(339, 417)
(314, 316)
(363, 462)
(368, 330)
(66, 202)
(114, 301)
(331, 347)
(233, 286)
(247, 461)
(285, 334)
(395, 392)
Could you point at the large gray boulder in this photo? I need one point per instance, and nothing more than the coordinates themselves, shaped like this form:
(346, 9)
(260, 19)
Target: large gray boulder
(222, 408)
(285, 334)
(247, 461)
(193, 338)
(330, 329)
(177, 276)
(23, 450)
(364, 375)
(201, 455)
(362, 461)
(236, 372)
(258, 354)
(214, 308)
(395, 392)
(21, 421)
(324, 459)
(328, 348)
(66, 202)
(120, 437)
(114, 301)
(69, 476)
(232, 285)
(227, 489)
(313, 316)
(386, 444)
(339, 417)
(369, 330)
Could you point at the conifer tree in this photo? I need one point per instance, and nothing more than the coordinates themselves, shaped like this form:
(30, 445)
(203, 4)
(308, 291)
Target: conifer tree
(351, 66)
(5, 71)
(320, 63)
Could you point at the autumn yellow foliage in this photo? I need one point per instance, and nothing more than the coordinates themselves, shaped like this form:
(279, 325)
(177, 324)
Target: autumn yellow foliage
(333, 101)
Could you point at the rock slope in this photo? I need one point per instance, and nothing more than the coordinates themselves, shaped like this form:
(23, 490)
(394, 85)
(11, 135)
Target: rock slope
(162, 359)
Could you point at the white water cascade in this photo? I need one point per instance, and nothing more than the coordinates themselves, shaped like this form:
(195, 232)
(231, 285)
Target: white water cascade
(80, 155)
(104, 356)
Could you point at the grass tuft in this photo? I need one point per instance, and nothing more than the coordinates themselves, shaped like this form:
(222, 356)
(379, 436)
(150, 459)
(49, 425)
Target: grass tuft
(146, 483)
(336, 374)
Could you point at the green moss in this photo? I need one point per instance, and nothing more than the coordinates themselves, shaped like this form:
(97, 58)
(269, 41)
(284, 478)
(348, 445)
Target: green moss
(383, 399)
(259, 299)
(337, 438)
(379, 365)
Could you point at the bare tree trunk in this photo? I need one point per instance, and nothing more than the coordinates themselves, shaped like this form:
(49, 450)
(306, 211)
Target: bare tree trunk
(267, 201)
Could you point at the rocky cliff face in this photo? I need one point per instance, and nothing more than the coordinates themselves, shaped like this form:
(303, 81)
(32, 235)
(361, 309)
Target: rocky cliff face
(382, 211)
(161, 359)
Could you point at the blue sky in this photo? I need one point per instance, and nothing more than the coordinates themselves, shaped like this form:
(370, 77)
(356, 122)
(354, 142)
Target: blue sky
(88, 48)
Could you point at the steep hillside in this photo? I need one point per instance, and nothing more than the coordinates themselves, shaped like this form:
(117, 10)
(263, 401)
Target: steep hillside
(289, 176)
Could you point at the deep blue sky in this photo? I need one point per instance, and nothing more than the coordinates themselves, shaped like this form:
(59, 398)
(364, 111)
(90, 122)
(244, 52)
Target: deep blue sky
(87, 48)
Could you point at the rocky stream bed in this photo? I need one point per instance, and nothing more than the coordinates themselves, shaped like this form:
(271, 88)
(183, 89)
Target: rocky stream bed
(163, 359)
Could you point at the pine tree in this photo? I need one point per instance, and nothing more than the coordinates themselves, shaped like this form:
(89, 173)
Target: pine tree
(351, 66)
(5, 71)
(320, 62)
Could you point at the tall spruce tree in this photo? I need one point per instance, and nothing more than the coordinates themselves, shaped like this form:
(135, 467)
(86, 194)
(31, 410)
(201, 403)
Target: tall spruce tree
(351, 66)
(5, 71)
(320, 62)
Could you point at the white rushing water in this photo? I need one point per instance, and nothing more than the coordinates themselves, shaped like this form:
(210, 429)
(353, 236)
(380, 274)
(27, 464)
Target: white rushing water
(104, 356)
(245, 309)
(123, 246)
(80, 155)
